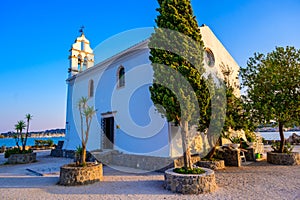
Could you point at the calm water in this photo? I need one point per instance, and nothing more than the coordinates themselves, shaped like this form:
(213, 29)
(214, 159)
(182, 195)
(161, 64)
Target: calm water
(275, 135)
(10, 142)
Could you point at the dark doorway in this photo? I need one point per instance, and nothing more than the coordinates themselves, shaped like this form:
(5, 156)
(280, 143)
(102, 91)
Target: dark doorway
(108, 131)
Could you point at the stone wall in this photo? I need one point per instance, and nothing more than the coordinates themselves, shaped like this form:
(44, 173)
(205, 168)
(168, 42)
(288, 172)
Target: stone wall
(179, 162)
(70, 154)
(71, 175)
(143, 162)
(57, 153)
(214, 165)
(190, 183)
(21, 158)
(283, 158)
(231, 157)
(150, 163)
(250, 154)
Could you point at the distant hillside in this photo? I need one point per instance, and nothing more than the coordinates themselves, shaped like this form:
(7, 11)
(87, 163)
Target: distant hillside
(49, 133)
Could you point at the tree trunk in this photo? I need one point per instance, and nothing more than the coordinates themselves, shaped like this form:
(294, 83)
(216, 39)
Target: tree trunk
(17, 140)
(26, 136)
(282, 140)
(187, 158)
(213, 150)
(83, 155)
(22, 141)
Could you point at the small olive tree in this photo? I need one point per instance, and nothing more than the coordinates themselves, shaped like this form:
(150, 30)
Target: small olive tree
(86, 115)
(273, 88)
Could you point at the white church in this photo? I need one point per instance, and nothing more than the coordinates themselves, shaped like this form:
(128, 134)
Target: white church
(126, 119)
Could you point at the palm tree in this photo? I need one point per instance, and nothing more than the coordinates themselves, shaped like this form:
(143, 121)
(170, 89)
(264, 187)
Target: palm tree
(20, 126)
(28, 117)
(17, 136)
(86, 112)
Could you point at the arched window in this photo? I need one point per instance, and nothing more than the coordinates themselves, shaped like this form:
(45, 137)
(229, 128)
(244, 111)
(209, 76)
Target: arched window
(79, 63)
(209, 57)
(121, 77)
(85, 61)
(91, 88)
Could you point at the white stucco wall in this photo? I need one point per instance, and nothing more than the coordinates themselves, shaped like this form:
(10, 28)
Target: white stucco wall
(222, 57)
(138, 128)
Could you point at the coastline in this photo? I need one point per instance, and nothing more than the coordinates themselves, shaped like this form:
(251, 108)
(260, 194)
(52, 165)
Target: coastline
(39, 136)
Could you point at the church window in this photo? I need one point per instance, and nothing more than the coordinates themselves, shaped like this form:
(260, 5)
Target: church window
(209, 57)
(121, 77)
(85, 62)
(91, 88)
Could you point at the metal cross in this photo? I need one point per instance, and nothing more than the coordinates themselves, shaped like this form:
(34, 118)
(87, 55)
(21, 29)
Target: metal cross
(81, 29)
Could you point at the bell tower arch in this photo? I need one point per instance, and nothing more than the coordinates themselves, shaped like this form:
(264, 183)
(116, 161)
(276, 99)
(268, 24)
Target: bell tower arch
(81, 55)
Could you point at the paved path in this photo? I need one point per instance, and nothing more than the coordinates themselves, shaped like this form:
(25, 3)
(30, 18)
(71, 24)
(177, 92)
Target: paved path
(258, 180)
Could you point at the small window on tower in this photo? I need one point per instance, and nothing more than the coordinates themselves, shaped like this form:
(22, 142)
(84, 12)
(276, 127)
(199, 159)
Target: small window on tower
(82, 45)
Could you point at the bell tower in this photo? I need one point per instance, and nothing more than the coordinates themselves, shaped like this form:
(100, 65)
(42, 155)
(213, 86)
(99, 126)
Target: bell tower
(81, 55)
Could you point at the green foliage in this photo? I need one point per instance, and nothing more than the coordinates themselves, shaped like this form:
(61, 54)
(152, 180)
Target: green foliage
(176, 52)
(48, 142)
(189, 171)
(78, 151)
(251, 137)
(272, 84)
(288, 148)
(235, 140)
(20, 126)
(9, 152)
(86, 115)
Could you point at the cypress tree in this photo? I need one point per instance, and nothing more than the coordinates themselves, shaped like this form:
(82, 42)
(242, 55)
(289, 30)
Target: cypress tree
(176, 53)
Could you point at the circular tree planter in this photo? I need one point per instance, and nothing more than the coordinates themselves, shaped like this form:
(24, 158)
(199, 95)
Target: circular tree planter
(212, 164)
(190, 183)
(292, 158)
(71, 174)
(21, 158)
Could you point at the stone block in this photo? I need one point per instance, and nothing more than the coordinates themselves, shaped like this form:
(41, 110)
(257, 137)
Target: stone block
(22, 158)
(71, 174)
(292, 158)
(190, 183)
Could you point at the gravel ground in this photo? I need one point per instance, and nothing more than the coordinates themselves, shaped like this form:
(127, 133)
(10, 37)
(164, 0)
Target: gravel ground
(257, 180)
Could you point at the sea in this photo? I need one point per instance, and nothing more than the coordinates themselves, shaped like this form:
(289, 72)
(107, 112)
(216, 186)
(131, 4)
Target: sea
(10, 142)
(275, 135)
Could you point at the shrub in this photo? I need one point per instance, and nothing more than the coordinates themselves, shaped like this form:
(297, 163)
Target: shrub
(235, 140)
(251, 137)
(48, 142)
(9, 152)
(288, 148)
(189, 171)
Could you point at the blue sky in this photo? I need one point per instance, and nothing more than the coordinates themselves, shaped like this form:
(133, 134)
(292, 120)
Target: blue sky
(37, 35)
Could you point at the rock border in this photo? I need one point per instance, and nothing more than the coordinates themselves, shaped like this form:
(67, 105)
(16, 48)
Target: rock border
(71, 175)
(22, 158)
(190, 183)
(212, 164)
(292, 158)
